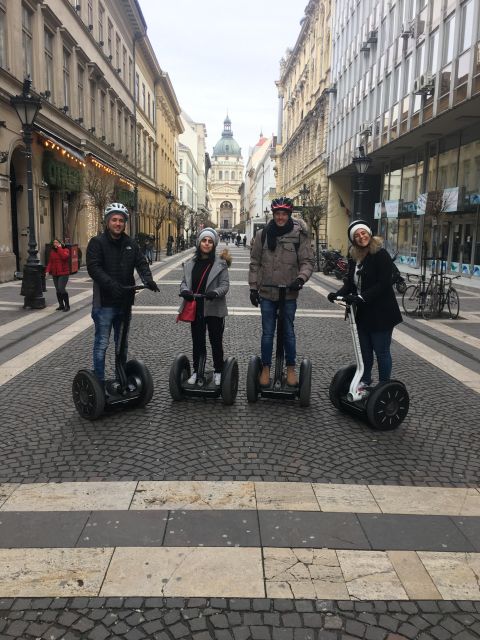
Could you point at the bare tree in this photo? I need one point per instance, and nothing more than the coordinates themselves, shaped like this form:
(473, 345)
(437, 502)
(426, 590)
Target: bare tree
(99, 185)
(160, 214)
(314, 212)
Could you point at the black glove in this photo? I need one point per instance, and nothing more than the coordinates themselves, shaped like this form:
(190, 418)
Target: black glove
(150, 284)
(187, 295)
(331, 296)
(210, 295)
(117, 290)
(296, 285)
(254, 297)
(353, 298)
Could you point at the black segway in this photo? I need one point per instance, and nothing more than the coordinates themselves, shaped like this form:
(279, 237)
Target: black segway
(278, 387)
(131, 387)
(387, 404)
(204, 386)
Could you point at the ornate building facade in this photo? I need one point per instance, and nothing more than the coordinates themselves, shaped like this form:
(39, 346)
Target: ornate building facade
(225, 178)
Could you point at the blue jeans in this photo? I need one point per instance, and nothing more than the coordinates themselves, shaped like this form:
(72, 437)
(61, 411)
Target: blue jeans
(377, 342)
(105, 318)
(269, 315)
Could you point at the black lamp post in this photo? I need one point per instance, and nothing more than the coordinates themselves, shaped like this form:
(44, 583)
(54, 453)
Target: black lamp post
(170, 198)
(361, 162)
(27, 108)
(266, 212)
(304, 193)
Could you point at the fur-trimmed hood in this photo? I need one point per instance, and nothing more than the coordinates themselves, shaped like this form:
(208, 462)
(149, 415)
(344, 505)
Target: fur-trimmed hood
(227, 256)
(376, 243)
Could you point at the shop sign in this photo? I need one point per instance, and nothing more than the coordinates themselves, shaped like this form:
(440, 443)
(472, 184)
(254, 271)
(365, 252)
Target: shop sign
(452, 199)
(409, 208)
(61, 176)
(443, 201)
(388, 208)
(377, 212)
(422, 204)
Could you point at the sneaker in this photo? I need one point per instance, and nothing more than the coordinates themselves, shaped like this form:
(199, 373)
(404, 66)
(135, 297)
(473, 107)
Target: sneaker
(192, 379)
(363, 389)
(217, 378)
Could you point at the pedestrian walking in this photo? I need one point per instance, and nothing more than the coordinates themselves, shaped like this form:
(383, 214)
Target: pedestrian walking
(281, 255)
(369, 287)
(59, 268)
(206, 273)
(112, 258)
(149, 249)
(244, 241)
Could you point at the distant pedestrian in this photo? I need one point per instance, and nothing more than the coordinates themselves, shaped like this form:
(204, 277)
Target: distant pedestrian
(59, 267)
(244, 241)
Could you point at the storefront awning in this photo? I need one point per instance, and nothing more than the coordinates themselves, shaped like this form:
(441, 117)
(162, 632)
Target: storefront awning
(61, 142)
(127, 179)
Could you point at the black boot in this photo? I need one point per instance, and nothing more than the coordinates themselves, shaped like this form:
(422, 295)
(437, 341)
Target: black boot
(60, 302)
(66, 301)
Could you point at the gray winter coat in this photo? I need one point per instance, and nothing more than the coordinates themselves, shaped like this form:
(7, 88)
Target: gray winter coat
(292, 258)
(217, 280)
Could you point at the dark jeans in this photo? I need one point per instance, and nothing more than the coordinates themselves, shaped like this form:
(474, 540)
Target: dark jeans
(269, 316)
(377, 342)
(60, 283)
(215, 333)
(105, 318)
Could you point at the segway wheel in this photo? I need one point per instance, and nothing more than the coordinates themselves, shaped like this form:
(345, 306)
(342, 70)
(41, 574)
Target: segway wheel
(179, 374)
(88, 395)
(305, 383)
(229, 386)
(140, 376)
(253, 374)
(388, 406)
(340, 384)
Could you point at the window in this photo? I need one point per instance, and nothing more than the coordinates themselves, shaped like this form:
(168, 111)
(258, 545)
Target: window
(27, 42)
(181, 165)
(220, 175)
(466, 26)
(109, 39)
(130, 73)
(102, 114)
(124, 64)
(448, 36)
(93, 93)
(433, 53)
(117, 51)
(137, 88)
(48, 55)
(80, 90)
(90, 12)
(66, 77)
(101, 22)
(148, 110)
(112, 121)
(3, 47)
(143, 96)
(119, 128)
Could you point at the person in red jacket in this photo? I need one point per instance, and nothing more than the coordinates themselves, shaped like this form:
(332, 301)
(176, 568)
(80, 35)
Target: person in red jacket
(58, 266)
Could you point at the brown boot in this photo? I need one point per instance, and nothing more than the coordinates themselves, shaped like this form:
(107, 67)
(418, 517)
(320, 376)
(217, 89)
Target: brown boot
(264, 379)
(291, 376)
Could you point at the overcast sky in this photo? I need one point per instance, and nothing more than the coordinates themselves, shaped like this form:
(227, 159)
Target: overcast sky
(225, 55)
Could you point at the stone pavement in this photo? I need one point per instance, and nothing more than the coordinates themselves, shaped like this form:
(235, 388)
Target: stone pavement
(198, 520)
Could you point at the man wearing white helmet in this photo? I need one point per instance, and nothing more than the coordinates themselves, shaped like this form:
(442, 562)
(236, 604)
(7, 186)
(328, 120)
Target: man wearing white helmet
(112, 258)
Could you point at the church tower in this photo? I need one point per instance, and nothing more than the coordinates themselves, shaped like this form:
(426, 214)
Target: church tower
(225, 178)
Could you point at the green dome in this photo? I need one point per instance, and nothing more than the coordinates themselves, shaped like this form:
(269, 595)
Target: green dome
(227, 146)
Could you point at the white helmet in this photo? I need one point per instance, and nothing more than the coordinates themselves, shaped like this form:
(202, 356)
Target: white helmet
(115, 207)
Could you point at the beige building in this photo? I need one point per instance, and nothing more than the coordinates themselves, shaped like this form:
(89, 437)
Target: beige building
(84, 60)
(303, 109)
(225, 178)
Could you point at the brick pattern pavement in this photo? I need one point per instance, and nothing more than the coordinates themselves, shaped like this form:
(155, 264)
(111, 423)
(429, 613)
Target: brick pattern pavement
(136, 618)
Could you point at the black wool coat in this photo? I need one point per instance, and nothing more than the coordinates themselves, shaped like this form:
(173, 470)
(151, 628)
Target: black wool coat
(380, 311)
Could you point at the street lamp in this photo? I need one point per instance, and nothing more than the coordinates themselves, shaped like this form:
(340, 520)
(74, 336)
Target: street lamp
(266, 212)
(27, 108)
(304, 193)
(361, 162)
(170, 198)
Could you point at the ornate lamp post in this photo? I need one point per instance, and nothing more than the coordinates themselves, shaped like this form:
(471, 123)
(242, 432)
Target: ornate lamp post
(170, 198)
(361, 162)
(266, 212)
(27, 108)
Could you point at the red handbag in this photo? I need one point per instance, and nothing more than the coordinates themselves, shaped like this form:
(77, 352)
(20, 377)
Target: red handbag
(189, 311)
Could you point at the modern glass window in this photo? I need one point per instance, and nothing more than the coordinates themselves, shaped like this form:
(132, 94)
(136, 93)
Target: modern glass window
(466, 26)
(448, 37)
(433, 53)
(27, 44)
(80, 90)
(48, 60)
(66, 77)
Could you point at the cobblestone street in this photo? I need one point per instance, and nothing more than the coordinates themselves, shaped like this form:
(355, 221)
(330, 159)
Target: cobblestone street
(198, 520)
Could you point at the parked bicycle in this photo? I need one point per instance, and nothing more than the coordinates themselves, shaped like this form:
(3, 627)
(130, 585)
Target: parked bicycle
(429, 298)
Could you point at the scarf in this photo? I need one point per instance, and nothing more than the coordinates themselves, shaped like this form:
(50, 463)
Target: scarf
(274, 231)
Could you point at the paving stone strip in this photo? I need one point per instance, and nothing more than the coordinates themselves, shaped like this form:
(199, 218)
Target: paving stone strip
(135, 618)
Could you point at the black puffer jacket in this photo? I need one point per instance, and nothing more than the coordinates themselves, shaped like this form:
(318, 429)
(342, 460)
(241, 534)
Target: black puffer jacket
(380, 310)
(112, 261)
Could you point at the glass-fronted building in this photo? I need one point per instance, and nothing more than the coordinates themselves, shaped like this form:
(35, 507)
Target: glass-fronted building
(406, 88)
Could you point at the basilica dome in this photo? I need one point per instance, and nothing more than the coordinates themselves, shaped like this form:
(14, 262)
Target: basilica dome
(227, 146)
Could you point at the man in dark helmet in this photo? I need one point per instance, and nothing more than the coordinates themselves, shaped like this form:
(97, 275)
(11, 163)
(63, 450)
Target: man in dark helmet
(281, 255)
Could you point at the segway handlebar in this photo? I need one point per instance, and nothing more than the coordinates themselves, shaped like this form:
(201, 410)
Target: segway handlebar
(277, 286)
